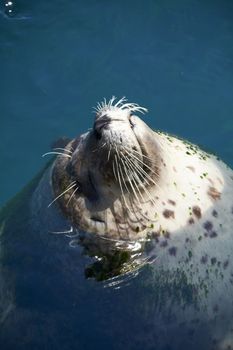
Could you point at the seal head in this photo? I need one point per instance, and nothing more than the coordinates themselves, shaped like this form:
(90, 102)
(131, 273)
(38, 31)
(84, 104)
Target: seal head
(108, 172)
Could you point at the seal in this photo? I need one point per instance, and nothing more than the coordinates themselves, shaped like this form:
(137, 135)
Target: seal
(147, 215)
(122, 180)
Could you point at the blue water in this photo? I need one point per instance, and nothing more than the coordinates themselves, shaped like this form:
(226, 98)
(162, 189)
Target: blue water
(58, 58)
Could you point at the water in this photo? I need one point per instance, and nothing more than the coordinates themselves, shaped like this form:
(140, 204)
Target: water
(58, 58)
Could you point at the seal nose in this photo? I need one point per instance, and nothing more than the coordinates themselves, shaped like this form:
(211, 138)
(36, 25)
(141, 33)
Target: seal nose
(101, 123)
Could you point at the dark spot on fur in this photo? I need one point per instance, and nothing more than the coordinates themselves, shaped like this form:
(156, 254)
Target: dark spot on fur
(197, 211)
(213, 261)
(208, 225)
(214, 193)
(215, 213)
(225, 264)
(191, 221)
(169, 214)
(204, 259)
(155, 236)
(187, 240)
(170, 201)
(213, 234)
(191, 168)
(211, 181)
(172, 251)
(164, 244)
(166, 234)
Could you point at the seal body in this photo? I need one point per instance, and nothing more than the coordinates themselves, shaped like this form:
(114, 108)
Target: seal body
(120, 183)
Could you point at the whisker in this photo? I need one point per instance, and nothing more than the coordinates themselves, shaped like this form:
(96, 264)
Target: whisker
(133, 189)
(143, 172)
(61, 154)
(141, 183)
(122, 175)
(72, 196)
(62, 149)
(69, 188)
(63, 232)
(140, 161)
(109, 152)
(134, 174)
(98, 148)
(114, 170)
(119, 180)
(146, 175)
(141, 154)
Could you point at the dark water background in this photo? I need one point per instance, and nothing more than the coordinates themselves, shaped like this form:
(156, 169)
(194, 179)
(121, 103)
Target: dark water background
(58, 58)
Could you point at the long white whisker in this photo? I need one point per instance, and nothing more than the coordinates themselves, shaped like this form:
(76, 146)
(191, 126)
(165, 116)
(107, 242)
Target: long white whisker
(120, 104)
(131, 185)
(134, 174)
(141, 183)
(143, 164)
(98, 148)
(123, 179)
(146, 176)
(141, 154)
(123, 99)
(62, 149)
(63, 232)
(123, 175)
(119, 179)
(69, 188)
(114, 170)
(142, 171)
(72, 196)
(61, 154)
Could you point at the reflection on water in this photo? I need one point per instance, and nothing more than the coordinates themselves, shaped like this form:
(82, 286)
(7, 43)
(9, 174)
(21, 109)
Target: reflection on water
(114, 261)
